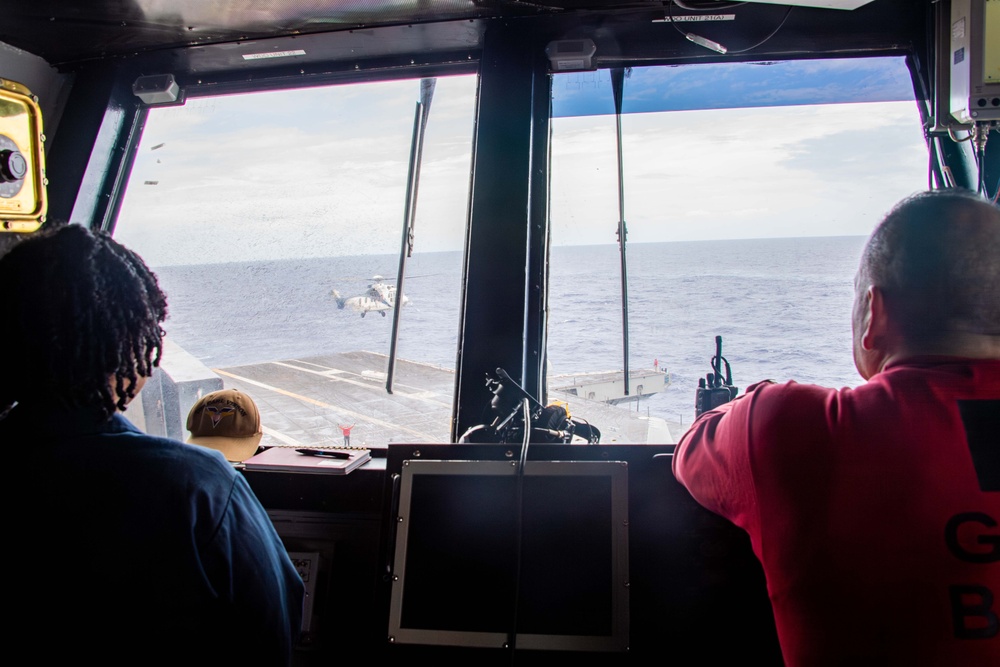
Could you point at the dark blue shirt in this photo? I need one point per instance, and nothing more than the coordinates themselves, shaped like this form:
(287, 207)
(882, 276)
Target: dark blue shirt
(128, 548)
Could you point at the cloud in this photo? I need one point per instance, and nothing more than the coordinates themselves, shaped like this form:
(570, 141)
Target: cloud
(305, 173)
(738, 173)
(322, 172)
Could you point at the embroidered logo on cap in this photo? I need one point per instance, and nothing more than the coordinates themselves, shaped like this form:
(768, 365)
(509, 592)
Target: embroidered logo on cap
(218, 413)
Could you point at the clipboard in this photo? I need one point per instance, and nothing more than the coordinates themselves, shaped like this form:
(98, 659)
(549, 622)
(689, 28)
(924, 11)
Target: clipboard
(288, 459)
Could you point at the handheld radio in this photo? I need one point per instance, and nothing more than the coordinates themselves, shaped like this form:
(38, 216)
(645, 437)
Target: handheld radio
(715, 389)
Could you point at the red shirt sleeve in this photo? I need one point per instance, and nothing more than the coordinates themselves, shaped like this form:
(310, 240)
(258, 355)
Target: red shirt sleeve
(759, 453)
(712, 460)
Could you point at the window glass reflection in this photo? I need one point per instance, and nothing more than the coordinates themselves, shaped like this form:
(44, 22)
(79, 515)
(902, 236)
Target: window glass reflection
(274, 221)
(742, 222)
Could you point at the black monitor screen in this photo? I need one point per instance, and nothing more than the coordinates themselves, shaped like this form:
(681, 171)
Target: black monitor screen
(481, 551)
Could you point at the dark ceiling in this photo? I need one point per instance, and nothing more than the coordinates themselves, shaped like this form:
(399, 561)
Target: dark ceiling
(66, 32)
(224, 35)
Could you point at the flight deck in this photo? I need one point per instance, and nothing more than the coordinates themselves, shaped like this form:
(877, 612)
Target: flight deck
(304, 402)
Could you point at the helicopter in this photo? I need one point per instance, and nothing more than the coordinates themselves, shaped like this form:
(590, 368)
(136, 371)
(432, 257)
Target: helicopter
(379, 297)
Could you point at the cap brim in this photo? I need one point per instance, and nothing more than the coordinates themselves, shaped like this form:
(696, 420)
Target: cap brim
(234, 449)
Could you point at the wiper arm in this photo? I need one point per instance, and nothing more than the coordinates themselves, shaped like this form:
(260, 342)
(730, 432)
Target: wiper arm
(618, 87)
(409, 215)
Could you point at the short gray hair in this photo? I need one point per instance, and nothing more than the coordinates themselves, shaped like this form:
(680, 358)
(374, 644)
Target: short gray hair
(936, 258)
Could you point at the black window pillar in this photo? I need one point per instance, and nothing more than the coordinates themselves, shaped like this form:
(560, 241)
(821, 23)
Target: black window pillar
(503, 307)
(87, 165)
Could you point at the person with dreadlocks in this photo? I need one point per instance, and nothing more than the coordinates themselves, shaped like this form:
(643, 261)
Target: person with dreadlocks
(129, 548)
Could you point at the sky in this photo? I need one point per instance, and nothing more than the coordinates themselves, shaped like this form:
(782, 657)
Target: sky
(322, 171)
(739, 85)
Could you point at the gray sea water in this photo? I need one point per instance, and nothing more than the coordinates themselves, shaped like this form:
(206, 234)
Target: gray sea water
(782, 307)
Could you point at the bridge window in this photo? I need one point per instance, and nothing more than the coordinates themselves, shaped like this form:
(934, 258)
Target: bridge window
(749, 190)
(275, 223)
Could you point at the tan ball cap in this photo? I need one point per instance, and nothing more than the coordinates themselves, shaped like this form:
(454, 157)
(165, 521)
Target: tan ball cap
(228, 421)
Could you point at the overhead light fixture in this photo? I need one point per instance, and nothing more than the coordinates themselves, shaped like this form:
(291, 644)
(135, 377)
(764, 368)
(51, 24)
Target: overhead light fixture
(571, 55)
(704, 41)
(273, 54)
(156, 89)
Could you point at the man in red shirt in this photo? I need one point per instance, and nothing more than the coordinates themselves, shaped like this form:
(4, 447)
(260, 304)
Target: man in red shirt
(875, 511)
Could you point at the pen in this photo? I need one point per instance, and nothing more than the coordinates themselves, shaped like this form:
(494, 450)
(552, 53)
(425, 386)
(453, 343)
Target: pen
(324, 453)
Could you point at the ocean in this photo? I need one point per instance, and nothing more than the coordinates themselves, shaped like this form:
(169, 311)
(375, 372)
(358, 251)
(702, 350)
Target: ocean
(782, 307)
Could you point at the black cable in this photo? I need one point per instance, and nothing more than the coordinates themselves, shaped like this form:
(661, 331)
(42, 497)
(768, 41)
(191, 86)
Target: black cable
(670, 14)
(718, 363)
(979, 155)
(527, 432)
(707, 6)
(773, 33)
(982, 173)
(931, 153)
(519, 529)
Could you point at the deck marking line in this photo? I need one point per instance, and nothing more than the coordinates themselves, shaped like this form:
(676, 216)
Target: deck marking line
(311, 363)
(287, 439)
(358, 415)
(325, 374)
(272, 388)
(335, 371)
(419, 394)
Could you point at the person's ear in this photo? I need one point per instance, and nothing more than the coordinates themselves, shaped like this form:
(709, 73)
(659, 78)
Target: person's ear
(876, 321)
